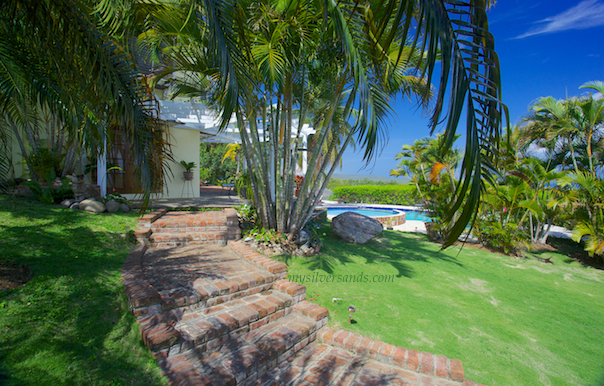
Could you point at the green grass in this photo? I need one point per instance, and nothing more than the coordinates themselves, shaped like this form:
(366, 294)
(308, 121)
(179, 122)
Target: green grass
(71, 324)
(511, 322)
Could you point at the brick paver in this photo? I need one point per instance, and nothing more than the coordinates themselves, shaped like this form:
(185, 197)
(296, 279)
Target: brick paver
(226, 315)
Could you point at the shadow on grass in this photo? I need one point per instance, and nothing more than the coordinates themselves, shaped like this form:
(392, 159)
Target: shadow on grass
(71, 323)
(390, 247)
(574, 252)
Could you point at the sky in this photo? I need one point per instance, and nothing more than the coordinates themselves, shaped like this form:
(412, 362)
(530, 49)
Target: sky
(545, 48)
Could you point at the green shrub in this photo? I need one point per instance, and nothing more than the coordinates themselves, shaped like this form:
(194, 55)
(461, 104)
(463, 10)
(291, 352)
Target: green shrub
(376, 194)
(51, 194)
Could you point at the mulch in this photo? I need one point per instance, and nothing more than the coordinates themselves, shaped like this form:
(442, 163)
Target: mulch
(13, 276)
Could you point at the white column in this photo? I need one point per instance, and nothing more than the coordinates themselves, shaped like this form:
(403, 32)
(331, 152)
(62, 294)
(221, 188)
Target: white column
(304, 153)
(101, 171)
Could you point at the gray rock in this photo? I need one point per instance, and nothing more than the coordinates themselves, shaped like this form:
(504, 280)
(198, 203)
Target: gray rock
(304, 237)
(75, 206)
(95, 207)
(125, 208)
(112, 206)
(67, 203)
(356, 228)
(86, 202)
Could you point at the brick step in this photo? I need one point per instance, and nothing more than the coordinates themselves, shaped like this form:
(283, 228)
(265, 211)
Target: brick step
(170, 240)
(178, 220)
(243, 359)
(212, 327)
(201, 294)
(195, 229)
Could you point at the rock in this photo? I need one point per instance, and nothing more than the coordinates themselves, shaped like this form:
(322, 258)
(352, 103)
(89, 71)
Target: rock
(304, 237)
(75, 206)
(125, 208)
(248, 239)
(86, 202)
(94, 207)
(67, 203)
(112, 206)
(356, 228)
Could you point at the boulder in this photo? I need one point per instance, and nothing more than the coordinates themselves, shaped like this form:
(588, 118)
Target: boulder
(67, 203)
(94, 207)
(356, 228)
(86, 202)
(304, 237)
(125, 208)
(75, 206)
(112, 206)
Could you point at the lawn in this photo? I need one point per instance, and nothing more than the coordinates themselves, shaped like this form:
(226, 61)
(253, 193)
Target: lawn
(69, 325)
(510, 321)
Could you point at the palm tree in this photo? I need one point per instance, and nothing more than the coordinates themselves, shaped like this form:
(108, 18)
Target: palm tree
(265, 59)
(56, 60)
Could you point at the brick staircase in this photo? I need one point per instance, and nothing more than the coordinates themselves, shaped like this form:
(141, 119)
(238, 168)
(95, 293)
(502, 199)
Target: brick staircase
(163, 229)
(226, 315)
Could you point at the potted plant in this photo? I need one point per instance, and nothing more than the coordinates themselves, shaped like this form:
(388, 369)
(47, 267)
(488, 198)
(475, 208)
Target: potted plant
(187, 174)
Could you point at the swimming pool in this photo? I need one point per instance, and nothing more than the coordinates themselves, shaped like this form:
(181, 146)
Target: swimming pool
(387, 216)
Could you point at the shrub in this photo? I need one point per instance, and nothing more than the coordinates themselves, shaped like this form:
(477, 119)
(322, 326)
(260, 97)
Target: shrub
(376, 194)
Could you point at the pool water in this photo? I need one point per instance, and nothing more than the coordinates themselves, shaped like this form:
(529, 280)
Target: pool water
(410, 215)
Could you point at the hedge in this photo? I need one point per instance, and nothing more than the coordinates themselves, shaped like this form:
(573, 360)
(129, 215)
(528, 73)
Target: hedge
(375, 194)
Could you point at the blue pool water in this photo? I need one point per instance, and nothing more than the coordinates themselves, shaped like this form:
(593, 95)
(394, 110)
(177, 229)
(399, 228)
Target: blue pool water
(411, 215)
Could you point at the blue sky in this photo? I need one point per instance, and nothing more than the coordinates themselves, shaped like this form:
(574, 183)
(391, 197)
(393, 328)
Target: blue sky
(546, 48)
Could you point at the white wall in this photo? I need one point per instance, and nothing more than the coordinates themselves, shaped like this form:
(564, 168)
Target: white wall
(185, 146)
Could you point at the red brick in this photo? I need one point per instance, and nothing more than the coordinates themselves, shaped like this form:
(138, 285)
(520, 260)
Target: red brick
(441, 366)
(296, 290)
(427, 365)
(314, 380)
(319, 313)
(277, 315)
(407, 375)
(399, 356)
(249, 312)
(233, 287)
(378, 367)
(426, 381)
(303, 304)
(326, 374)
(387, 351)
(258, 324)
(457, 373)
(375, 348)
(335, 359)
(190, 377)
(222, 288)
(230, 321)
(276, 268)
(277, 302)
(363, 346)
(352, 341)
(308, 309)
(413, 360)
(340, 337)
(160, 337)
(262, 311)
(270, 307)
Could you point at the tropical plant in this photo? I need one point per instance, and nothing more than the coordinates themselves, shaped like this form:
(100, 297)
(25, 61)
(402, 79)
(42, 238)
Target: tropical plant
(433, 174)
(188, 165)
(585, 200)
(62, 73)
(216, 160)
(276, 66)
